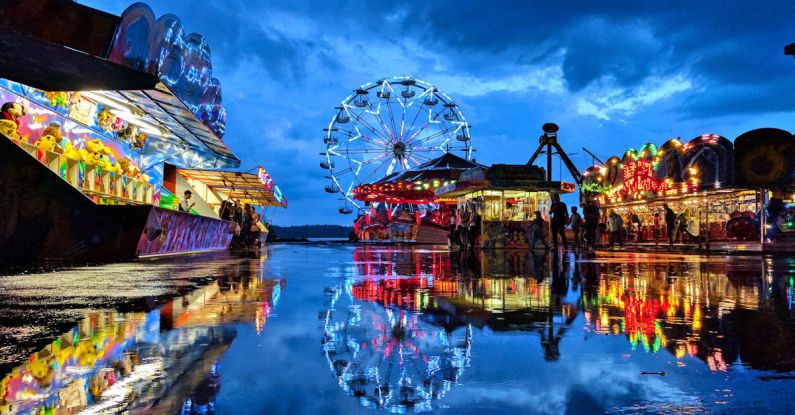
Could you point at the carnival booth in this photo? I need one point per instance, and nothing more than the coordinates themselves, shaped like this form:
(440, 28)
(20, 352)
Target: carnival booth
(402, 207)
(88, 134)
(505, 198)
(701, 181)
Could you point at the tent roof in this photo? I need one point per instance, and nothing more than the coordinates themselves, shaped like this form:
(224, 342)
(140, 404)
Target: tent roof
(446, 167)
(247, 187)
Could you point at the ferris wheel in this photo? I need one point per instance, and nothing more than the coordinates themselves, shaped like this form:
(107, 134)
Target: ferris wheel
(388, 126)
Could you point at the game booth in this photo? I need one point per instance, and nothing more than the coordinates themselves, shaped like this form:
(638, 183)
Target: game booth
(402, 206)
(717, 188)
(95, 126)
(505, 198)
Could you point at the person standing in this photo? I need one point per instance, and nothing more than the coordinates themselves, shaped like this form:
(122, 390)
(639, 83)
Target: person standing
(185, 205)
(453, 215)
(560, 215)
(670, 223)
(537, 228)
(576, 226)
(237, 213)
(245, 223)
(615, 226)
(657, 229)
(591, 212)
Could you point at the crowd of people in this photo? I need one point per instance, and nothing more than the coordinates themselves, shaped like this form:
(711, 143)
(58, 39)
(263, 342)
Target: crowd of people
(592, 229)
(247, 222)
(589, 229)
(465, 225)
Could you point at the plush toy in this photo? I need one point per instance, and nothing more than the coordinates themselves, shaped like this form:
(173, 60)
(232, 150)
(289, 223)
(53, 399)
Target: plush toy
(9, 129)
(105, 119)
(127, 168)
(12, 111)
(52, 133)
(47, 143)
(58, 99)
(140, 140)
(70, 152)
(94, 152)
(105, 164)
(10, 114)
(145, 178)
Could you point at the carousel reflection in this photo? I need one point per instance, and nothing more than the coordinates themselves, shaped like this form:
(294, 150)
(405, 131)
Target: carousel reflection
(164, 360)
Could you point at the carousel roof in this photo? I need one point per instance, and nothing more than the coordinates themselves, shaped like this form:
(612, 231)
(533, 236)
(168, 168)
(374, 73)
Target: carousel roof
(256, 189)
(446, 167)
(407, 186)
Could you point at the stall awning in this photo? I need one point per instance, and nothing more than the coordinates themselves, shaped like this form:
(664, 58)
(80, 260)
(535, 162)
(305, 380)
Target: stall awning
(255, 189)
(163, 109)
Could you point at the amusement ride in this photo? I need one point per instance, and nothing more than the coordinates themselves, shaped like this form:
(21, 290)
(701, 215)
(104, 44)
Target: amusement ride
(389, 126)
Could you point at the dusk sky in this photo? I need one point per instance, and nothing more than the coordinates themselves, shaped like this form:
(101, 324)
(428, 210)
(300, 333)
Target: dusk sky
(613, 75)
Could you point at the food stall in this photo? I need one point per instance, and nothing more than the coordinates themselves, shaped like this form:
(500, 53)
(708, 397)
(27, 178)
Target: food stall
(505, 197)
(85, 142)
(702, 181)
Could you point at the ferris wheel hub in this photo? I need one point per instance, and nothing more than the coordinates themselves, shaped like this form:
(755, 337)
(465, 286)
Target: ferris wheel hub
(399, 149)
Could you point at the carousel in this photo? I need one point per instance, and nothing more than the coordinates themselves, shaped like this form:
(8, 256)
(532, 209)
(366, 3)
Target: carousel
(403, 207)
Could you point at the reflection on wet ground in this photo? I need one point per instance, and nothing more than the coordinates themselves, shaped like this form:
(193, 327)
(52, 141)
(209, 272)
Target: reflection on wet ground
(403, 329)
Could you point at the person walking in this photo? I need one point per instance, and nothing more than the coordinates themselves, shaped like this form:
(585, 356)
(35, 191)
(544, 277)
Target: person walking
(560, 216)
(615, 226)
(591, 213)
(537, 227)
(670, 223)
(576, 226)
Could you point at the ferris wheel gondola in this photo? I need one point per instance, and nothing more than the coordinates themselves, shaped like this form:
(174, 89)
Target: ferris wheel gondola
(389, 126)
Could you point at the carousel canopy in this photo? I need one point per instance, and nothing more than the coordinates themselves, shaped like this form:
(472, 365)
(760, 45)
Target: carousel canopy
(415, 185)
(255, 189)
(58, 45)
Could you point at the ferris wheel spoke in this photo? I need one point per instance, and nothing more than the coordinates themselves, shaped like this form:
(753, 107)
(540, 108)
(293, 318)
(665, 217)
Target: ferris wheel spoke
(428, 138)
(415, 120)
(374, 171)
(391, 116)
(379, 134)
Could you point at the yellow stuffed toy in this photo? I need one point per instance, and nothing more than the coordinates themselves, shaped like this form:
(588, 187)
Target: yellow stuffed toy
(9, 129)
(105, 119)
(50, 138)
(70, 152)
(46, 143)
(94, 152)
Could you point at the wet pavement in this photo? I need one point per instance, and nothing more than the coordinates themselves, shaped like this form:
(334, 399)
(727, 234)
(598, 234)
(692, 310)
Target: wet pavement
(340, 329)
